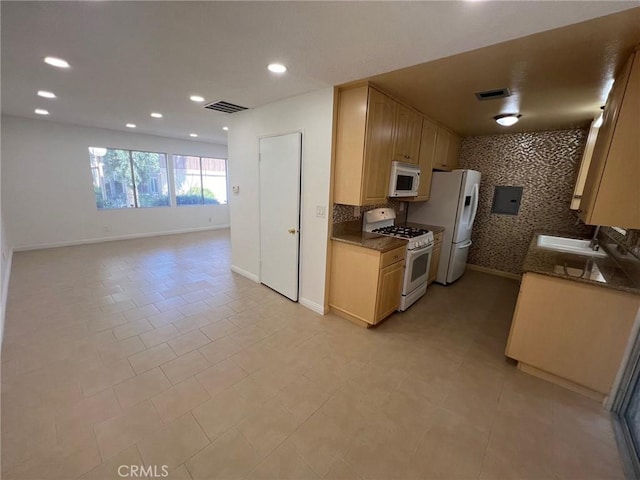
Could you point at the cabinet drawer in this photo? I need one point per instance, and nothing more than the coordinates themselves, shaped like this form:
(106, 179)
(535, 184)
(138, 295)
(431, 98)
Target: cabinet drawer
(392, 256)
(437, 238)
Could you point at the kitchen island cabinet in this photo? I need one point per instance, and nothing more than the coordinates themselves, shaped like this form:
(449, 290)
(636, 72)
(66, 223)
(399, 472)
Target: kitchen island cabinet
(366, 284)
(571, 333)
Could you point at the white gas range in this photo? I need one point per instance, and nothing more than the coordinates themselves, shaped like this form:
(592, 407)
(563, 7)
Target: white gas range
(418, 255)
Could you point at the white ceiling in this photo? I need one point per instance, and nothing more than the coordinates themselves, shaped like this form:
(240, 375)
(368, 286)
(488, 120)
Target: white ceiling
(131, 58)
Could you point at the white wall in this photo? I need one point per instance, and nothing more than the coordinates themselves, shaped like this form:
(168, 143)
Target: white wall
(47, 188)
(312, 114)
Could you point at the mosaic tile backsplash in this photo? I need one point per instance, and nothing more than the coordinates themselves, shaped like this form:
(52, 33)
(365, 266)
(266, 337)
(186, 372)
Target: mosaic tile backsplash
(545, 164)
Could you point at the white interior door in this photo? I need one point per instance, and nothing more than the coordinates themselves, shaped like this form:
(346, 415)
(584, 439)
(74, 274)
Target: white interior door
(280, 212)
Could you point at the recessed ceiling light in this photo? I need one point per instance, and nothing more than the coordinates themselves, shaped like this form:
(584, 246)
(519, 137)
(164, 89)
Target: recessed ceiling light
(225, 128)
(45, 94)
(193, 135)
(41, 111)
(276, 68)
(56, 62)
(156, 115)
(507, 119)
(131, 125)
(196, 98)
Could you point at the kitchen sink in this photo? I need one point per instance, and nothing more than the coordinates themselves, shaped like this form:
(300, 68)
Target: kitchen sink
(570, 245)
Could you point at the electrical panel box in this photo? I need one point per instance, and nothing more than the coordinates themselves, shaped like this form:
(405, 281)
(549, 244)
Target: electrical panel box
(506, 200)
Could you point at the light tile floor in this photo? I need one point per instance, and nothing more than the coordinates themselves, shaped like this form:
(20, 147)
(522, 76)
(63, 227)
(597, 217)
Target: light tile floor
(150, 352)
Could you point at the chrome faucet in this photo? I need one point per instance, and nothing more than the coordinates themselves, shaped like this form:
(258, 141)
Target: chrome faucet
(593, 244)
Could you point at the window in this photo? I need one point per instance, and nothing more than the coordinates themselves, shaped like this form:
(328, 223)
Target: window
(200, 180)
(129, 179)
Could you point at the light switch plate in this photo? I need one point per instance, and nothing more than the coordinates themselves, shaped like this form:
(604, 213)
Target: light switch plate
(321, 211)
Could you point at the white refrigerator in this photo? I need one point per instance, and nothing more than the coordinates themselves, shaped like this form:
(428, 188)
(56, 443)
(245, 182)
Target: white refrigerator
(452, 204)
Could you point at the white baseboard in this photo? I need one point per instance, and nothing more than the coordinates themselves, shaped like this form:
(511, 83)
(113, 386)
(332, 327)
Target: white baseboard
(5, 291)
(316, 307)
(492, 271)
(251, 276)
(115, 238)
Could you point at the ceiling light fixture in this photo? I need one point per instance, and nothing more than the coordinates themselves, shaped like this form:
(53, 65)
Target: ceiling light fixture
(56, 62)
(196, 98)
(131, 125)
(45, 94)
(41, 111)
(194, 135)
(276, 68)
(225, 128)
(156, 115)
(507, 119)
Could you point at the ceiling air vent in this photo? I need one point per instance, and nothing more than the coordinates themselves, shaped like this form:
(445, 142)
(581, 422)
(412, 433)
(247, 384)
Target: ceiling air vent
(224, 107)
(492, 94)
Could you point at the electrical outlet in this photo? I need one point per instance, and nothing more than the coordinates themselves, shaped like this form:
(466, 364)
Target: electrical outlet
(235, 189)
(321, 211)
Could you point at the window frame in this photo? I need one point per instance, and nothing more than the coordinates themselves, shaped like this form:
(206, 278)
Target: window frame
(200, 157)
(133, 177)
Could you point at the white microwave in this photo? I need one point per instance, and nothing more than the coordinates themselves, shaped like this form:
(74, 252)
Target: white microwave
(405, 180)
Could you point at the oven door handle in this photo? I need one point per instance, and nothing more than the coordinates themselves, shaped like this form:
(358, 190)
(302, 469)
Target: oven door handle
(420, 249)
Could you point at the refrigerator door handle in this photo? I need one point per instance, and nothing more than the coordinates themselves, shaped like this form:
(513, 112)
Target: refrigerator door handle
(475, 204)
(466, 244)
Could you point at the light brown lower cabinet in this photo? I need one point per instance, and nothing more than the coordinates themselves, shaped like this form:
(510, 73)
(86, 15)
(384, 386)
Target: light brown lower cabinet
(435, 257)
(366, 285)
(571, 333)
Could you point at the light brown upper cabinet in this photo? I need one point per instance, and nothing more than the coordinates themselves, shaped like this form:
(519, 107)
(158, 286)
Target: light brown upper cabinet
(364, 144)
(425, 159)
(407, 132)
(585, 163)
(447, 150)
(612, 190)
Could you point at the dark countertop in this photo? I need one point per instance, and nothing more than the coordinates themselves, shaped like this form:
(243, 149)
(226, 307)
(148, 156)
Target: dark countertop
(600, 271)
(351, 232)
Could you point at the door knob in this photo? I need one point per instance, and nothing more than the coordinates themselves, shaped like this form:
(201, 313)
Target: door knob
(292, 231)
